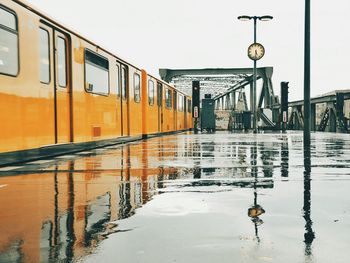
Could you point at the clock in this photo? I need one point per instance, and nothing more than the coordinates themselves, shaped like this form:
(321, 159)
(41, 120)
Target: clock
(256, 51)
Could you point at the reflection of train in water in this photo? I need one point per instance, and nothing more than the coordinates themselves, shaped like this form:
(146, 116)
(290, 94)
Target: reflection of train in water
(60, 89)
(63, 213)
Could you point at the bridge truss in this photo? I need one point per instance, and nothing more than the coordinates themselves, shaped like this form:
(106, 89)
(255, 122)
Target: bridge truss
(229, 87)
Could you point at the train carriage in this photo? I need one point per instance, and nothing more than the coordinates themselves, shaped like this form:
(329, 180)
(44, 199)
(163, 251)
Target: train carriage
(61, 92)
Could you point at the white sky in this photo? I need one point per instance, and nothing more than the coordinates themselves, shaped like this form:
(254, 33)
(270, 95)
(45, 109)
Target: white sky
(155, 34)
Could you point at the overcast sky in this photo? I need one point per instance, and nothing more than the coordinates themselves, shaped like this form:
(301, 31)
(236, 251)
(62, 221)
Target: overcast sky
(155, 34)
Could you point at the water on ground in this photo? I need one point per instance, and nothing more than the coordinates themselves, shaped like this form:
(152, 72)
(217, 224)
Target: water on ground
(223, 197)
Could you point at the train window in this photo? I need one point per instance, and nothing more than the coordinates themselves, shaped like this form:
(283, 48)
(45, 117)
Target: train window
(96, 73)
(44, 56)
(137, 84)
(181, 103)
(175, 100)
(159, 94)
(61, 62)
(168, 98)
(124, 82)
(8, 43)
(150, 92)
(118, 81)
(8, 19)
(189, 108)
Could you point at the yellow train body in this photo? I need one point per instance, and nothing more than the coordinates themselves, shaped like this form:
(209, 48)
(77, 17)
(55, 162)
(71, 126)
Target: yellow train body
(58, 88)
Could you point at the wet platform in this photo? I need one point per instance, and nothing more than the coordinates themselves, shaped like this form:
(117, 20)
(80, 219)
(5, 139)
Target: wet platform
(223, 197)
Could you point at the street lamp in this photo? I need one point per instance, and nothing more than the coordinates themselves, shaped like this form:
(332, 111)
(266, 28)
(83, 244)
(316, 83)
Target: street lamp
(255, 18)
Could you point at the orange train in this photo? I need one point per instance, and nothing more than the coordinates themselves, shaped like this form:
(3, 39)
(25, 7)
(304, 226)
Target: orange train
(60, 92)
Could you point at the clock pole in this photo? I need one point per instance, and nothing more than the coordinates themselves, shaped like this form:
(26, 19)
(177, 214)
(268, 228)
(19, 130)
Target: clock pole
(254, 84)
(255, 18)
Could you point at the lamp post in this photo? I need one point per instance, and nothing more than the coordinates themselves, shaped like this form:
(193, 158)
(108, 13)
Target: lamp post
(307, 103)
(255, 18)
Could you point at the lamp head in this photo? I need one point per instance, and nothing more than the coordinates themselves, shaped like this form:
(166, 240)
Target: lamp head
(265, 18)
(244, 18)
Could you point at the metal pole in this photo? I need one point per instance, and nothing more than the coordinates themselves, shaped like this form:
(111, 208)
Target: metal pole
(254, 83)
(307, 103)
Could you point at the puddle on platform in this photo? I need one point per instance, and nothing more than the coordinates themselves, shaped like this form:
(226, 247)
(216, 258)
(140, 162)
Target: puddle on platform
(184, 198)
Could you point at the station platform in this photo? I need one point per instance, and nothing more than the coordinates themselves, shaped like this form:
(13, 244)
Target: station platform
(218, 197)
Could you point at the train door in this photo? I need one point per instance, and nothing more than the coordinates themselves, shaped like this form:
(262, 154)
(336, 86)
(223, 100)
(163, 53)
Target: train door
(63, 98)
(175, 110)
(160, 106)
(185, 112)
(54, 58)
(125, 115)
(119, 114)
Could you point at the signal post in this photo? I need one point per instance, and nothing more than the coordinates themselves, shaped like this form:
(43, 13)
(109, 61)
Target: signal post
(195, 103)
(284, 105)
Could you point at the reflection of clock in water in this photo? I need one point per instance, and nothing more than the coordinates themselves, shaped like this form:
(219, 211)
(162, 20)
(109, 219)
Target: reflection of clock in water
(256, 51)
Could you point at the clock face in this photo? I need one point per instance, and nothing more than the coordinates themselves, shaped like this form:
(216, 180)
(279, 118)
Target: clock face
(256, 51)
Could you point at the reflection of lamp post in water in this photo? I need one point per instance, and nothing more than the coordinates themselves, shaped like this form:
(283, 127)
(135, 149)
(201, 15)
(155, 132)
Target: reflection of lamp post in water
(256, 210)
(197, 171)
(284, 157)
(309, 235)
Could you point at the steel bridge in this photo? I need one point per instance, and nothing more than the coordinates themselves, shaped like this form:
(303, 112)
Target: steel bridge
(329, 112)
(232, 83)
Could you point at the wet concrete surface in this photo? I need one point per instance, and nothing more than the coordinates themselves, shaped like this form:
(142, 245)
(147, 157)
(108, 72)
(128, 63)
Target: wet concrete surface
(222, 197)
